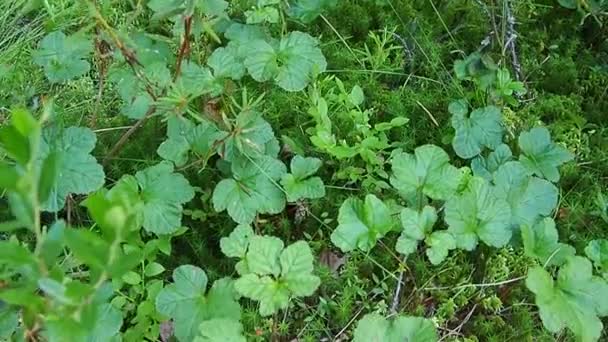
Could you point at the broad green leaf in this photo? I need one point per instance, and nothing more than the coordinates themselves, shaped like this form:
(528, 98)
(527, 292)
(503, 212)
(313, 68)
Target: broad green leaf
(78, 171)
(272, 295)
(575, 300)
(184, 137)
(296, 269)
(264, 14)
(540, 156)
(63, 57)
(220, 330)
(292, 65)
(486, 166)
(107, 324)
(439, 244)
(163, 193)
(252, 190)
(375, 328)
(195, 80)
(541, 241)
(9, 321)
(248, 138)
(428, 170)
(299, 184)
(478, 214)
(529, 197)
(597, 251)
(308, 10)
(299, 59)
(263, 255)
(362, 224)
(235, 245)
(482, 128)
(241, 33)
(226, 63)
(185, 302)
(416, 226)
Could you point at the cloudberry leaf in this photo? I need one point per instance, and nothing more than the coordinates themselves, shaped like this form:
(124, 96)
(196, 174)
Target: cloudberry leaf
(77, 170)
(541, 242)
(185, 301)
(299, 184)
(427, 170)
(63, 57)
(478, 214)
(482, 128)
(540, 156)
(575, 300)
(163, 192)
(362, 224)
(373, 327)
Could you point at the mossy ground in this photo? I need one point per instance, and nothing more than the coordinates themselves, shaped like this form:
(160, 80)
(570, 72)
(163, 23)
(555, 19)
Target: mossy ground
(565, 65)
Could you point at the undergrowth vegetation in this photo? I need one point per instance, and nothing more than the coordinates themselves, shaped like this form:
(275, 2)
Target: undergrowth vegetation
(306, 170)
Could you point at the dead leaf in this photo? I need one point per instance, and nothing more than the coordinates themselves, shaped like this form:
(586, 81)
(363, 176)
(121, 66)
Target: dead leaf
(331, 260)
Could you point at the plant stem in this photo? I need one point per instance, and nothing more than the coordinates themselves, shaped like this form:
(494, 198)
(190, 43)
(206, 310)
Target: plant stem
(184, 48)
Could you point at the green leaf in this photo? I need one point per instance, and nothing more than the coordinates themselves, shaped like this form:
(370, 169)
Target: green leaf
(226, 63)
(8, 176)
(428, 170)
(296, 269)
(184, 137)
(220, 330)
(416, 226)
(63, 57)
(540, 156)
(362, 224)
(530, 198)
(439, 244)
(15, 255)
(541, 242)
(574, 300)
(48, 176)
(308, 10)
(292, 65)
(597, 251)
(107, 324)
(9, 321)
(482, 128)
(299, 184)
(248, 138)
(259, 15)
(263, 255)
(478, 214)
(88, 247)
(235, 245)
(272, 295)
(185, 302)
(252, 190)
(485, 167)
(375, 328)
(163, 192)
(78, 171)
(153, 269)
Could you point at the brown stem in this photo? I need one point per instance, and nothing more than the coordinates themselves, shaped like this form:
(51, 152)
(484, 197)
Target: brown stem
(184, 48)
(125, 137)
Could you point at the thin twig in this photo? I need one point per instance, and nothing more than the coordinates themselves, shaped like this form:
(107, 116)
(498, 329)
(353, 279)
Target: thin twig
(511, 38)
(504, 282)
(456, 331)
(397, 295)
(125, 137)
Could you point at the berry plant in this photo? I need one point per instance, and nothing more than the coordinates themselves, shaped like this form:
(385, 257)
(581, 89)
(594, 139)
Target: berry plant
(302, 170)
